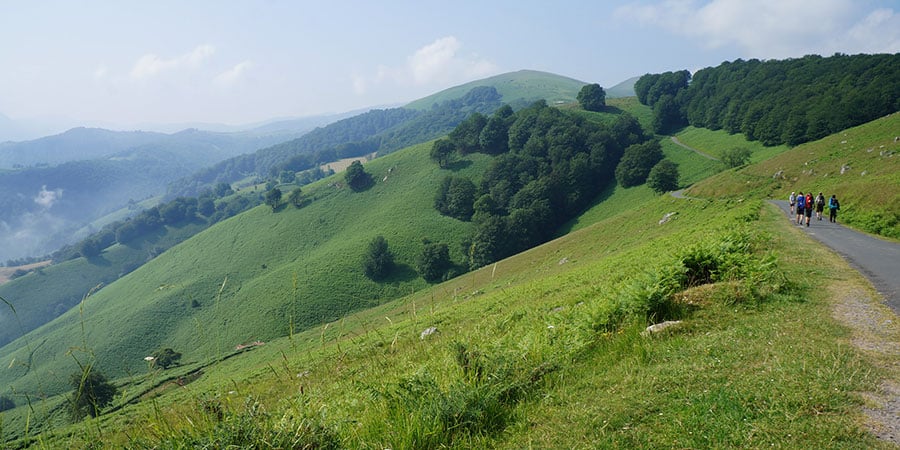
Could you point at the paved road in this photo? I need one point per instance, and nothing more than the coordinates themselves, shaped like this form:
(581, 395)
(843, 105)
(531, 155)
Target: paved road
(877, 259)
(681, 144)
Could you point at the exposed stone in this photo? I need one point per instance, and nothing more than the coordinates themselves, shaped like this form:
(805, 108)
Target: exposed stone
(666, 217)
(428, 332)
(658, 327)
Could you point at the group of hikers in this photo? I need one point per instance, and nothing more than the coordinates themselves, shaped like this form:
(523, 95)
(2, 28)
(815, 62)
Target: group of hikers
(803, 205)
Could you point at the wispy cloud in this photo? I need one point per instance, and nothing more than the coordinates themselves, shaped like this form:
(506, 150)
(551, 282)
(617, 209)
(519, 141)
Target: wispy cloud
(438, 63)
(773, 28)
(151, 65)
(233, 75)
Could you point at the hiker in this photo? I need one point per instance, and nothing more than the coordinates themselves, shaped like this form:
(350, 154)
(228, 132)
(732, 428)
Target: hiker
(793, 201)
(801, 204)
(833, 207)
(820, 205)
(808, 207)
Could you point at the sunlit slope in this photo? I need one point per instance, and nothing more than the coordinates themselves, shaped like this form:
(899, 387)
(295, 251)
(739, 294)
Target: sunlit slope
(524, 86)
(253, 277)
(860, 165)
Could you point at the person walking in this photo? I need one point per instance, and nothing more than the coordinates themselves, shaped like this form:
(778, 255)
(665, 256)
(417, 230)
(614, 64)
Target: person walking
(808, 207)
(820, 205)
(793, 201)
(833, 207)
(801, 204)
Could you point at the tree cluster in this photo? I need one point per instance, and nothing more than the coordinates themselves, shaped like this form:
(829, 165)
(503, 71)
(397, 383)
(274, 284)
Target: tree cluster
(549, 165)
(779, 101)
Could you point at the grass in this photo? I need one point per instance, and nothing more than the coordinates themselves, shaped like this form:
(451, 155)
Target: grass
(543, 349)
(519, 361)
(523, 84)
(869, 191)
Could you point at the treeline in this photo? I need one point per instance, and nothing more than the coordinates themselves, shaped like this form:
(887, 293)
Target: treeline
(213, 205)
(776, 102)
(549, 165)
(381, 131)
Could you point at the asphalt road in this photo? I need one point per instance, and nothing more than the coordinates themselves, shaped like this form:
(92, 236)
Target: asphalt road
(877, 259)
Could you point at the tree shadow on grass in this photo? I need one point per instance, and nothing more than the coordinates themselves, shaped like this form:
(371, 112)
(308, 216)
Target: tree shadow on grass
(401, 273)
(458, 165)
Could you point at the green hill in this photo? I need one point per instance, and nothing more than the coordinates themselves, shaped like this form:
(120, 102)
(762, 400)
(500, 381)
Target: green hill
(543, 349)
(521, 87)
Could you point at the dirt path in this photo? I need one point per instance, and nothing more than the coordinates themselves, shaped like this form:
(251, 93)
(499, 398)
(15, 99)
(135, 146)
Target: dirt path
(705, 155)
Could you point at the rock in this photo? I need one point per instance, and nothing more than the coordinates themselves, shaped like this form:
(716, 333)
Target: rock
(428, 332)
(658, 327)
(564, 260)
(779, 174)
(666, 217)
(844, 169)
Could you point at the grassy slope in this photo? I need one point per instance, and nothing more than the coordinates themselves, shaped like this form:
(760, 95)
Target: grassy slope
(784, 366)
(869, 191)
(53, 290)
(287, 270)
(523, 84)
(776, 373)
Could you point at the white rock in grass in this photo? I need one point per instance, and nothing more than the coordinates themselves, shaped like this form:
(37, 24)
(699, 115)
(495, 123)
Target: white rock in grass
(427, 332)
(658, 327)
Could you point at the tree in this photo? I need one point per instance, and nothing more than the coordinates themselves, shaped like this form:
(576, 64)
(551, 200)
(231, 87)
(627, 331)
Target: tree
(166, 358)
(663, 177)
(357, 177)
(273, 198)
(90, 247)
(636, 163)
(296, 197)
(92, 392)
(442, 151)
(736, 157)
(287, 176)
(592, 97)
(434, 261)
(378, 260)
(455, 198)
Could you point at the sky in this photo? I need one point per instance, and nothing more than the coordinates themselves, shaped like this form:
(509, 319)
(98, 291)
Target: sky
(131, 64)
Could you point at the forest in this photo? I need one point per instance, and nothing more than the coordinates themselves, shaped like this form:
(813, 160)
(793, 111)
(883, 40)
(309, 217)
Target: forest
(548, 166)
(788, 101)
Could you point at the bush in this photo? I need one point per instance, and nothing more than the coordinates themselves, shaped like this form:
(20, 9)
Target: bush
(736, 157)
(663, 177)
(166, 358)
(92, 392)
(6, 403)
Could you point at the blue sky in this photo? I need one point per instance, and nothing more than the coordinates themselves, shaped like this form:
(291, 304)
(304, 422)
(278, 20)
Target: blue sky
(131, 63)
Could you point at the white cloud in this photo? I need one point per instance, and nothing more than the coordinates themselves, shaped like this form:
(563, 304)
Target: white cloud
(438, 63)
(232, 75)
(773, 28)
(46, 198)
(151, 65)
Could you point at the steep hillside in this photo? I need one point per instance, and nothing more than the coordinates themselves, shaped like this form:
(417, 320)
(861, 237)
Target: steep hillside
(521, 87)
(274, 271)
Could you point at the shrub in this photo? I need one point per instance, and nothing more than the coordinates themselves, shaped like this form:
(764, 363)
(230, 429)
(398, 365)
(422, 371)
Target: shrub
(378, 260)
(92, 392)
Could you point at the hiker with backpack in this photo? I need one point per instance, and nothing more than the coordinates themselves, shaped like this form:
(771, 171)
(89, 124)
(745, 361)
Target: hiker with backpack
(801, 204)
(820, 205)
(793, 201)
(833, 207)
(808, 207)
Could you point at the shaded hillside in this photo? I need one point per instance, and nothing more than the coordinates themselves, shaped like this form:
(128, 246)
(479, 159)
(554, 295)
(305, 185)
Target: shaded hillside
(41, 207)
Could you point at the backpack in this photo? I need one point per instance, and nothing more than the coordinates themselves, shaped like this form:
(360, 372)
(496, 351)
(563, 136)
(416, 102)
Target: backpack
(820, 200)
